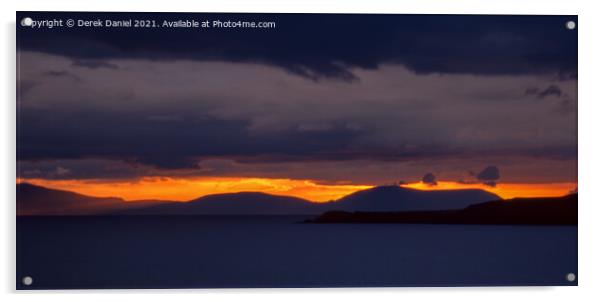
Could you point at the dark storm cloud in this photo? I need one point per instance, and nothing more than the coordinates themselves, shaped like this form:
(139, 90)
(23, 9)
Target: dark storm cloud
(413, 88)
(167, 143)
(489, 175)
(329, 46)
(429, 179)
(171, 115)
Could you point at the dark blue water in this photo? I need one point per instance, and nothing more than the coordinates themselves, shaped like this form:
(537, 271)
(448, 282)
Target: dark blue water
(166, 252)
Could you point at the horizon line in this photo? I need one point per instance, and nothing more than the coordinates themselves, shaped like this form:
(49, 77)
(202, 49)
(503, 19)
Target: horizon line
(418, 186)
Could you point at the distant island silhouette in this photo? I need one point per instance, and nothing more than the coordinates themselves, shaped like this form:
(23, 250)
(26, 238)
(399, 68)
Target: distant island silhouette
(384, 204)
(524, 211)
(36, 200)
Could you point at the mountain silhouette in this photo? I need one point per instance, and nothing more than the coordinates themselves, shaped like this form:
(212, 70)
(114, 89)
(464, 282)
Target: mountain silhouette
(387, 198)
(243, 203)
(395, 198)
(36, 200)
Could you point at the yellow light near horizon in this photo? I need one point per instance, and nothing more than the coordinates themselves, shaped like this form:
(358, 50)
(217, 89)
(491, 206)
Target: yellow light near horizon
(504, 190)
(186, 189)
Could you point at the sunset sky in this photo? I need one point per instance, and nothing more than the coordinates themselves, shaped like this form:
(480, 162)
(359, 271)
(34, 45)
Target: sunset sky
(318, 108)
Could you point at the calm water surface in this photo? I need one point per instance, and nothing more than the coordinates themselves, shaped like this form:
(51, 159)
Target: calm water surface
(162, 252)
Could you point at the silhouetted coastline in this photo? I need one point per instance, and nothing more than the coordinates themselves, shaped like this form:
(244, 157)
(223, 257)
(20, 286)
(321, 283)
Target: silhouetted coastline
(519, 211)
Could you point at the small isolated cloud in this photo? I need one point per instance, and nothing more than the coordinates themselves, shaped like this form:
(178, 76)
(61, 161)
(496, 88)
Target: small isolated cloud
(429, 179)
(489, 176)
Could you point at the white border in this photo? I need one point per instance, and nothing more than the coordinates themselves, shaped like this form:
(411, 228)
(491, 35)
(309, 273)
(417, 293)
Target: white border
(590, 251)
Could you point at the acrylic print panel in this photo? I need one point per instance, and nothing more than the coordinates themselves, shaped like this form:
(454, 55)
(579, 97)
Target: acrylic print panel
(192, 150)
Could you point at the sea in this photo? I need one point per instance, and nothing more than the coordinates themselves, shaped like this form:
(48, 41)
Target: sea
(106, 252)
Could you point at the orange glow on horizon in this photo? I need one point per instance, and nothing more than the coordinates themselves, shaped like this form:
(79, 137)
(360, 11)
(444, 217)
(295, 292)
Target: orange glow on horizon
(504, 190)
(186, 189)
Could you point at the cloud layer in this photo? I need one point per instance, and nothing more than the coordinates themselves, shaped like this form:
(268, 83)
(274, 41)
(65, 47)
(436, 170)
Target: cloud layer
(331, 46)
(359, 105)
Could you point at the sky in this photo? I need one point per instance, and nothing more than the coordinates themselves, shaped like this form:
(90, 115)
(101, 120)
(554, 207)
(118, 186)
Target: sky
(319, 107)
